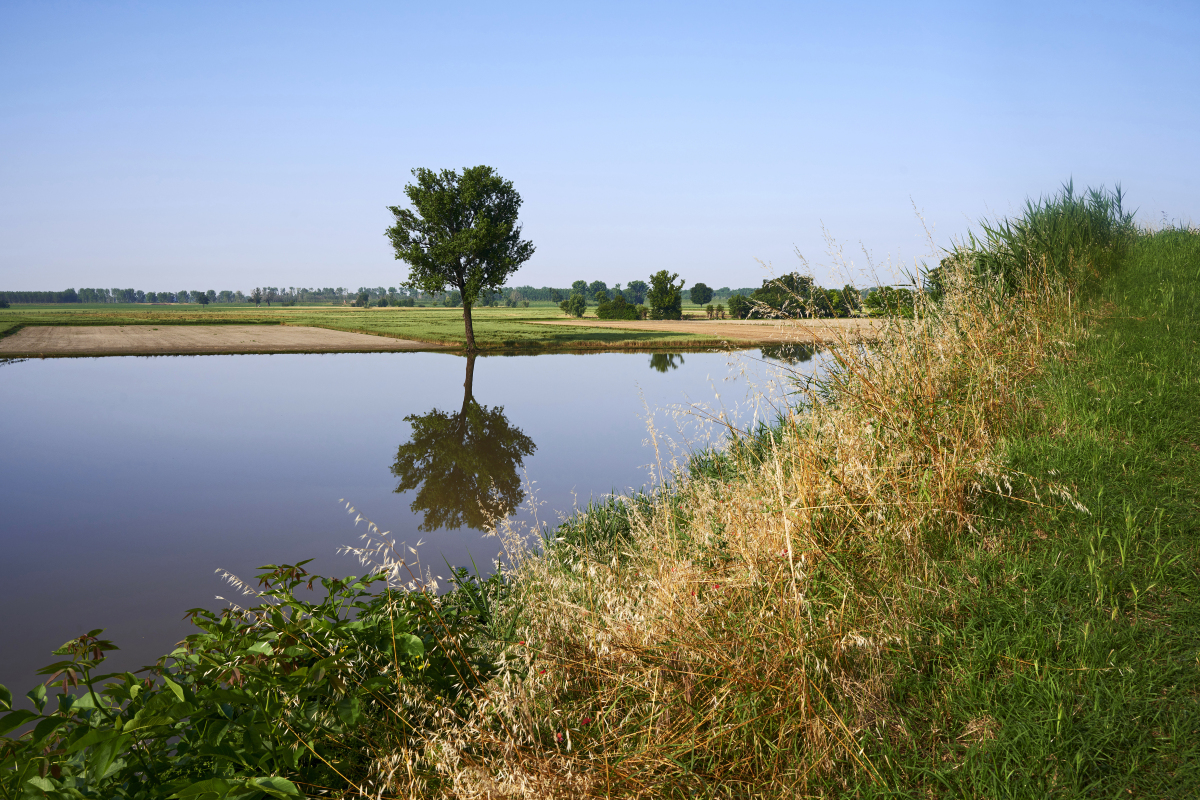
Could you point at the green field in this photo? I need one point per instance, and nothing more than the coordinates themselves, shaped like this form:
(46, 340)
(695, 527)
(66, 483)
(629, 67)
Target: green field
(495, 328)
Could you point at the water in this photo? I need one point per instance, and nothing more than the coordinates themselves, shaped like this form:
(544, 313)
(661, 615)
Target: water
(127, 481)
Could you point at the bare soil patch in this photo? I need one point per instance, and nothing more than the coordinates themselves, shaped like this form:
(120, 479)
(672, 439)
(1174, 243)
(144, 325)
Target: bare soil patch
(113, 340)
(822, 331)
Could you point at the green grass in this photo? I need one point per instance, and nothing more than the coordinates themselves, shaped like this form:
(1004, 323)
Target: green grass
(1069, 665)
(495, 328)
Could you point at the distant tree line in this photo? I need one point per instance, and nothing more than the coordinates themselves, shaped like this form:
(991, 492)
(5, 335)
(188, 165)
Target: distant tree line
(792, 295)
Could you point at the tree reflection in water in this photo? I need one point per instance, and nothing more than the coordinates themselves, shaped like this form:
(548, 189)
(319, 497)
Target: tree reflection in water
(789, 353)
(664, 362)
(466, 465)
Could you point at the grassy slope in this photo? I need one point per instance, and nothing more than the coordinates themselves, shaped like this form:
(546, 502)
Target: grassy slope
(494, 327)
(1068, 666)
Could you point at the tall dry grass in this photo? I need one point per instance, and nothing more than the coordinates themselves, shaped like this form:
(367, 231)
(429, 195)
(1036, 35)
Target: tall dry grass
(738, 636)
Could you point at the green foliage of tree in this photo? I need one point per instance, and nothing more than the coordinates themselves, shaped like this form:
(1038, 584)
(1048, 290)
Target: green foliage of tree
(361, 300)
(740, 306)
(789, 296)
(701, 294)
(574, 305)
(665, 296)
(465, 466)
(617, 308)
(580, 288)
(462, 231)
(635, 292)
(890, 301)
(200, 297)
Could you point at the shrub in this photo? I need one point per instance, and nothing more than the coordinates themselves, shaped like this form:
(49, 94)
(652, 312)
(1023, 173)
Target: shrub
(616, 308)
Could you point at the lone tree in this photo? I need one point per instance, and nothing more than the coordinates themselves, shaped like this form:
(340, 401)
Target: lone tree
(665, 296)
(701, 294)
(462, 231)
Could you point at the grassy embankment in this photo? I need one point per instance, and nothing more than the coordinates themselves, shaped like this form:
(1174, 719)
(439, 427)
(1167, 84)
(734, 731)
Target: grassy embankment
(963, 565)
(495, 328)
(965, 568)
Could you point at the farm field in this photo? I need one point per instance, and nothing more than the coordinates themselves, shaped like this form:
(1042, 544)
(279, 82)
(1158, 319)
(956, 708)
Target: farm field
(495, 328)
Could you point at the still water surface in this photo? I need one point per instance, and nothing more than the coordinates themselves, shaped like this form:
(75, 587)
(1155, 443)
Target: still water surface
(128, 481)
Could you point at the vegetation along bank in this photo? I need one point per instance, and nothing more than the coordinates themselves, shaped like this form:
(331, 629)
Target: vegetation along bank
(961, 565)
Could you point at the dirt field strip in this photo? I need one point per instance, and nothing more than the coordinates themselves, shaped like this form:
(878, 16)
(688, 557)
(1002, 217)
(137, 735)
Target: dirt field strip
(128, 340)
(823, 331)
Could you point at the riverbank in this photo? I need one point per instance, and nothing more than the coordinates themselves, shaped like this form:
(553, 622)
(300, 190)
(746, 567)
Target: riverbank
(961, 564)
(496, 329)
(963, 568)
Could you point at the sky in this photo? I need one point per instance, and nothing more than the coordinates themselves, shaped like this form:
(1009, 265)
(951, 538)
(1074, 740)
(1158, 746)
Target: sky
(166, 146)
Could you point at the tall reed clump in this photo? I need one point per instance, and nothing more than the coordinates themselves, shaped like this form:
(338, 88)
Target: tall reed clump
(737, 633)
(1070, 236)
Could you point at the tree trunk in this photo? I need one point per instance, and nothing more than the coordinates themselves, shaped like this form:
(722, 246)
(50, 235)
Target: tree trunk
(468, 397)
(470, 330)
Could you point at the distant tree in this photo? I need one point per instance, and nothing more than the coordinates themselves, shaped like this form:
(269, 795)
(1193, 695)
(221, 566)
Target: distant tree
(789, 295)
(597, 288)
(740, 306)
(463, 232)
(574, 305)
(580, 287)
(181, 297)
(212, 296)
(271, 293)
(701, 294)
(720, 311)
(201, 298)
(465, 467)
(382, 302)
(710, 310)
(3, 301)
(362, 299)
(256, 296)
(635, 292)
(556, 296)
(665, 296)
(151, 297)
(852, 299)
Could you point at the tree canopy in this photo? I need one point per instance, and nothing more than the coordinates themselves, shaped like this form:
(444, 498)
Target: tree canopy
(461, 232)
(665, 296)
(701, 294)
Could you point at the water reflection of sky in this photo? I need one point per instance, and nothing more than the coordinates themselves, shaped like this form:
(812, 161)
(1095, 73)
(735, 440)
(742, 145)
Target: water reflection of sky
(127, 481)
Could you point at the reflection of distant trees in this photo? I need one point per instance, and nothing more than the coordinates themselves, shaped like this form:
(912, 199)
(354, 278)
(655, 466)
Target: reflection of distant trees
(789, 353)
(664, 362)
(464, 466)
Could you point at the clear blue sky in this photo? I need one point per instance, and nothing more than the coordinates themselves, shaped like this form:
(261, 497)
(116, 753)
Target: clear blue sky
(166, 146)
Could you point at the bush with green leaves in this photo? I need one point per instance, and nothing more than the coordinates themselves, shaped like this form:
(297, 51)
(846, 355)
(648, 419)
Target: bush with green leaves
(617, 308)
(280, 699)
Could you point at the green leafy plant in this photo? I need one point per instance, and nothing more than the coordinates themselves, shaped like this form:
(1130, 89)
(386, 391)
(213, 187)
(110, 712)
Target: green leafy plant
(296, 693)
